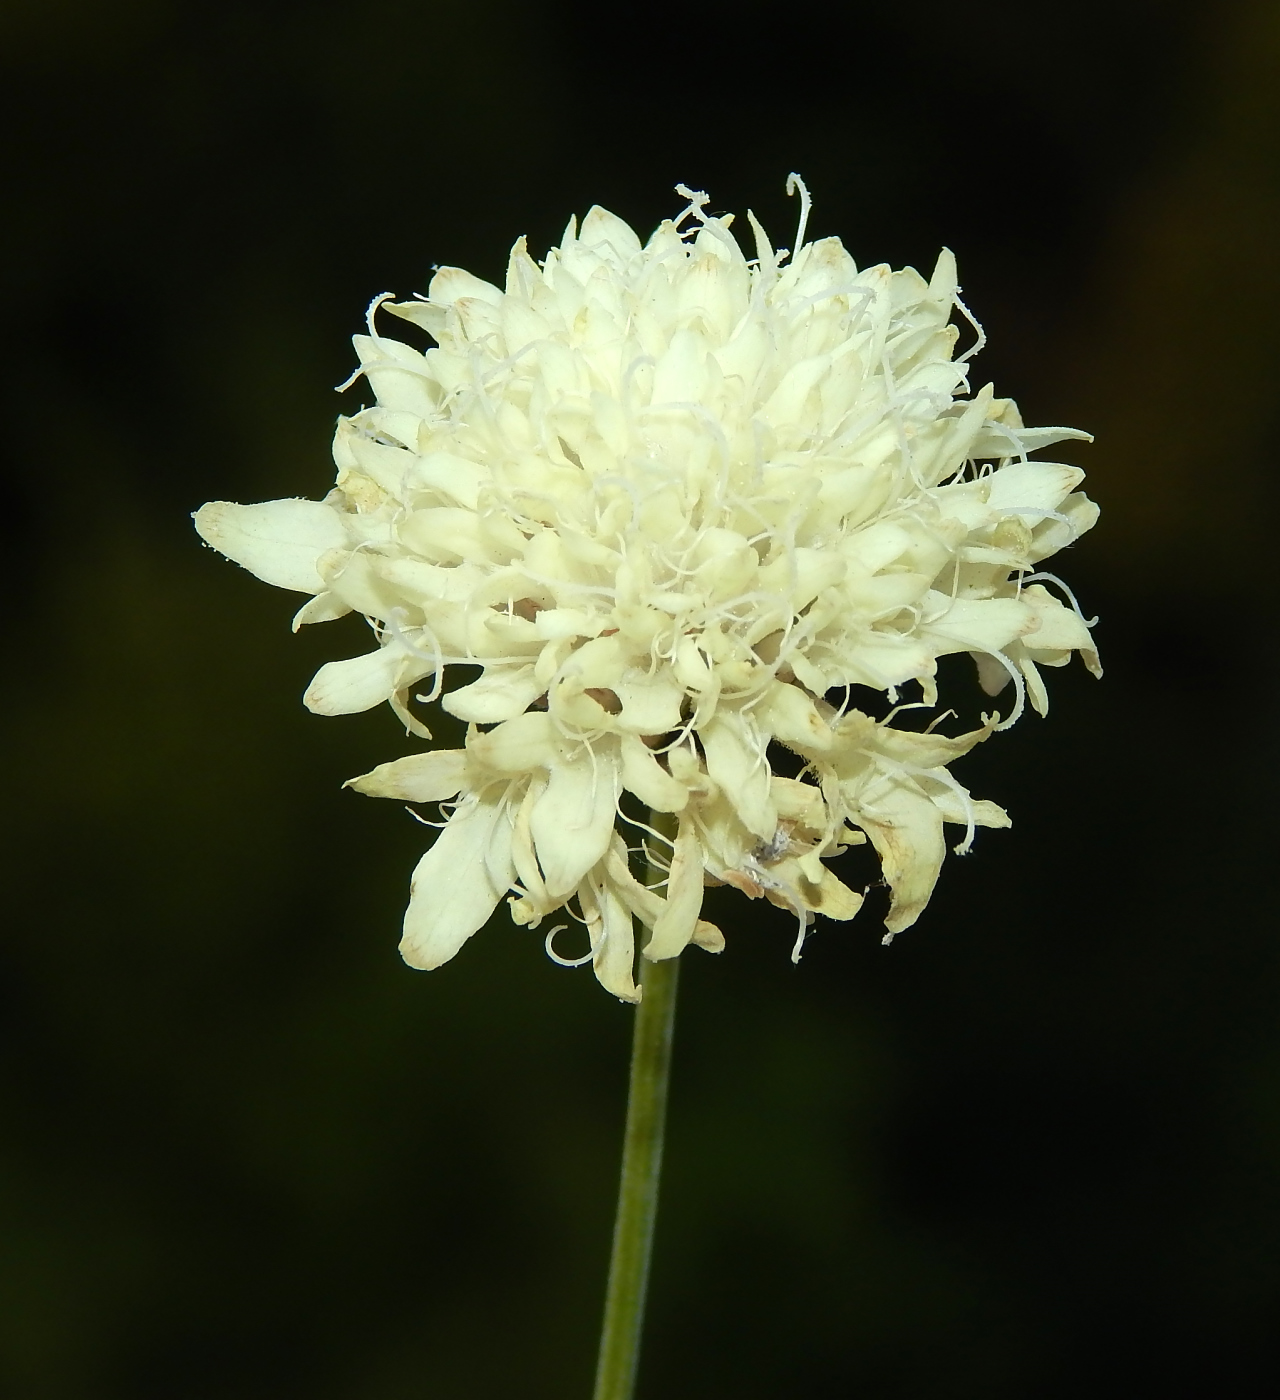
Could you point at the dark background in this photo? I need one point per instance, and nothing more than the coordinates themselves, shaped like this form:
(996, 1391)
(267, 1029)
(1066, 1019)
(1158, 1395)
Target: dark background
(1030, 1151)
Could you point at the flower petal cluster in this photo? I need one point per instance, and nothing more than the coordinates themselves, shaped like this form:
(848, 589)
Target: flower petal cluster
(672, 503)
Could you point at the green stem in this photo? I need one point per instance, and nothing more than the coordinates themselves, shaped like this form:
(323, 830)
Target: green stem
(638, 1191)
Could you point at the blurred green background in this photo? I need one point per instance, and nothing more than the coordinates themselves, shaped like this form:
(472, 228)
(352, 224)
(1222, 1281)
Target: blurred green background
(1033, 1149)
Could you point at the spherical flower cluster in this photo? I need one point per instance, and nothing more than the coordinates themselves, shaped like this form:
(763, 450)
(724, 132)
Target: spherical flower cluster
(674, 503)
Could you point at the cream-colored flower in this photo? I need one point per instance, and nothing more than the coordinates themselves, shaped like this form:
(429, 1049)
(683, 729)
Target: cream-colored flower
(674, 502)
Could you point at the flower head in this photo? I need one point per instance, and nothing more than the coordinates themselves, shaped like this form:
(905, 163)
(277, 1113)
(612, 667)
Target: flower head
(674, 503)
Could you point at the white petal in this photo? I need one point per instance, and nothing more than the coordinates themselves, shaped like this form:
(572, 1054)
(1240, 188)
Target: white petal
(458, 883)
(278, 541)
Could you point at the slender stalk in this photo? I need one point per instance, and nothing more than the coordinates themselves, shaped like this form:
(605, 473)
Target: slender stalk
(638, 1191)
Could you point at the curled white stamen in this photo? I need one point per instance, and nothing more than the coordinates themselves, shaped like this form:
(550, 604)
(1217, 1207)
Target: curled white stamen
(556, 958)
(794, 183)
(1045, 577)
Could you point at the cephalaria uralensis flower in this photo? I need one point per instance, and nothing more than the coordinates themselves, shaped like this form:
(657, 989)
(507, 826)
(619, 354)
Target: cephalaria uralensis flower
(676, 506)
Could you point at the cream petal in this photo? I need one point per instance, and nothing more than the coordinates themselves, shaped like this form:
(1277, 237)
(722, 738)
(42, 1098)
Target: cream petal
(613, 944)
(790, 716)
(906, 829)
(881, 660)
(1031, 487)
(826, 895)
(707, 936)
(678, 374)
(430, 318)
(278, 541)
(650, 703)
(648, 779)
(992, 676)
(1060, 628)
(957, 443)
(942, 284)
(931, 750)
(798, 802)
(458, 883)
(595, 663)
(947, 798)
(522, 852)
(399, 376)
(1037, 692)
(356, 579)
(982, 624)
(572, 821)
(518, 745)
(833, 899)
(786, 404)
(360, 683)
(503, 692)
(433, 582)
(993, 442)
(324, 607)
(675, 925)
(421, 777)
(1049, 536)
(736, 764)
(801, 574)
(449, 475)
(450, 284)
(601, 227)
(643, 902)
(812, 677)
(383, 463)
